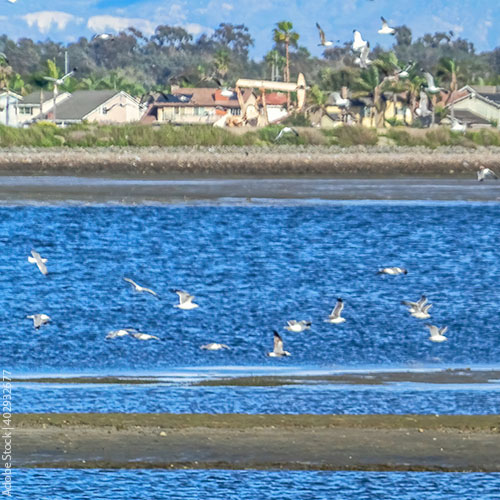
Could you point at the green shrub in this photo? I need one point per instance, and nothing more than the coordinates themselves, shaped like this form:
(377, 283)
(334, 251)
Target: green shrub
(352, 136)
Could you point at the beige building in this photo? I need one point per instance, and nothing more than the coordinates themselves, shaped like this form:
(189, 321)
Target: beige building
(36, 105)
(102, 106)
(196, 106)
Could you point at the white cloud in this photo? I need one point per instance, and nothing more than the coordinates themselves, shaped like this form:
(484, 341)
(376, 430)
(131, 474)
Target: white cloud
(197, 29)
(227, 6)
(45, 19)
(100, 24)
(440, 24)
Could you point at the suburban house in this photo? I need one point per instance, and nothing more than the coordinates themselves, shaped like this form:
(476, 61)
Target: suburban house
(361, 111)
(9, 108)
(197, 105)
(276, 106)
(477, 106)
(102, 106)
(34, 106)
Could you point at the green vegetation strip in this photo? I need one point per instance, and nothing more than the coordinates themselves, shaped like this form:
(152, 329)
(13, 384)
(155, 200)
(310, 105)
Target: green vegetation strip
(122, 421)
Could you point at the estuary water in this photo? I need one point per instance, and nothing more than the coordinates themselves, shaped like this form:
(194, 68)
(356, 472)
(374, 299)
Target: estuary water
(51, 484)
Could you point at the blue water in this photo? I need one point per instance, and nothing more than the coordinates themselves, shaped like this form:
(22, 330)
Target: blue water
(293, 399)
(251, 269)
(47, 484)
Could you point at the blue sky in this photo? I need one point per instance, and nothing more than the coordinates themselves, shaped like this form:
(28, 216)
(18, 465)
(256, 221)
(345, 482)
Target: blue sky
(66, 21)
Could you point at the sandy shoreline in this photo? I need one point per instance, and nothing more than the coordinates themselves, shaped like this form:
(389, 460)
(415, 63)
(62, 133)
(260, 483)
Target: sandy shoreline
(359, 161)
(447, 376)
(308, 442)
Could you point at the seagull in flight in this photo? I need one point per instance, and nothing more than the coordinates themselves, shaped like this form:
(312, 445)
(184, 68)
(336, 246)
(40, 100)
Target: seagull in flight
(122, 332)
(143, 336)
(422, 312)
(431, 87)
(324, 41)
(139, 288)
(12, 1)
(185, 300)
(457, 126)
(214, 346)
(39, 261)
(485, 173)
(60, 81)
(363, 60)
(437, 334)
(39, 319)
(415, 306)
(339, 101)
(386, 30)
(358, 42)
(286, 130)
(404, 73)
(278, 347)
(297, 326)
(393, 270)
(103, 36)
(335, 316)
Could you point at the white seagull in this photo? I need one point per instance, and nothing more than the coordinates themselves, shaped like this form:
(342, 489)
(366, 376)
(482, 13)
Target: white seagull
(386, 30)
(214, 346)
(421, 313)
(363, 60)
(39, 319)
(415, 306)
(324, 41)
(37, 259)
(297, 326)
(431, 87)
(437, 334)
(278, 347)
(404, 73)
(12, 1)
(423, 105)
(122, 332)
(457, 126)
(485, 173)
(143, 336)
(286, 130)
(185, 300)
(102, 36)
(341, 102)
(393, 270)
(335, 316)
(358, 42)
(139, 288)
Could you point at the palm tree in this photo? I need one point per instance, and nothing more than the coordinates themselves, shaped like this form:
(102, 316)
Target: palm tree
(276, 61)
(283, 34)
(316, 101)
(447, 71)
(221, 62)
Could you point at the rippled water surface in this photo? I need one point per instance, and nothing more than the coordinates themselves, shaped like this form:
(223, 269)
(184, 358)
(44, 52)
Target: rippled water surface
(251, 269)
(47, 484)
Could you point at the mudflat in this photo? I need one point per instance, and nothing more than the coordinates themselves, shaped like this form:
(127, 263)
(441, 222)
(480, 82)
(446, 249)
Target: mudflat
(322, 442)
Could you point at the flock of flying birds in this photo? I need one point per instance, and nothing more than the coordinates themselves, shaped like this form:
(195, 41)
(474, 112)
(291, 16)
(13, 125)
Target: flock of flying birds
(419, 310)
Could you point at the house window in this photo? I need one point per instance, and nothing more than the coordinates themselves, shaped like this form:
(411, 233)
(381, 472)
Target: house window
(26, 111)
(236, 111)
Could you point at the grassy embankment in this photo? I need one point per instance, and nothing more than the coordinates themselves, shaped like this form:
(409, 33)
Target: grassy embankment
(45, 134)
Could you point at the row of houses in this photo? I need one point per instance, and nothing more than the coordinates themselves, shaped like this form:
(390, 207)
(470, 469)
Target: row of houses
(476, 106)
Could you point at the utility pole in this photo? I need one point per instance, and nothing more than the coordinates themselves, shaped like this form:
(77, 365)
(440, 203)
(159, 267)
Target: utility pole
(66, 61)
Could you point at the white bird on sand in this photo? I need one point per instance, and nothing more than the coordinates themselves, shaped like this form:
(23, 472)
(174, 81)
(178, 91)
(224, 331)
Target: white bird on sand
(358, 42)
(297, 326)
(286, 130)
(437, 334)
(185, 300)
(143, 336)
(421, 313)
(363, 60)
(122, 332)
(485, 173)
(431, 87)
(324, 41)
(393, 270)
(39, 319)
(214, 346)
(139, 288)
(386, 30)
(37, 259)
(335, 316)
(278, 347)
